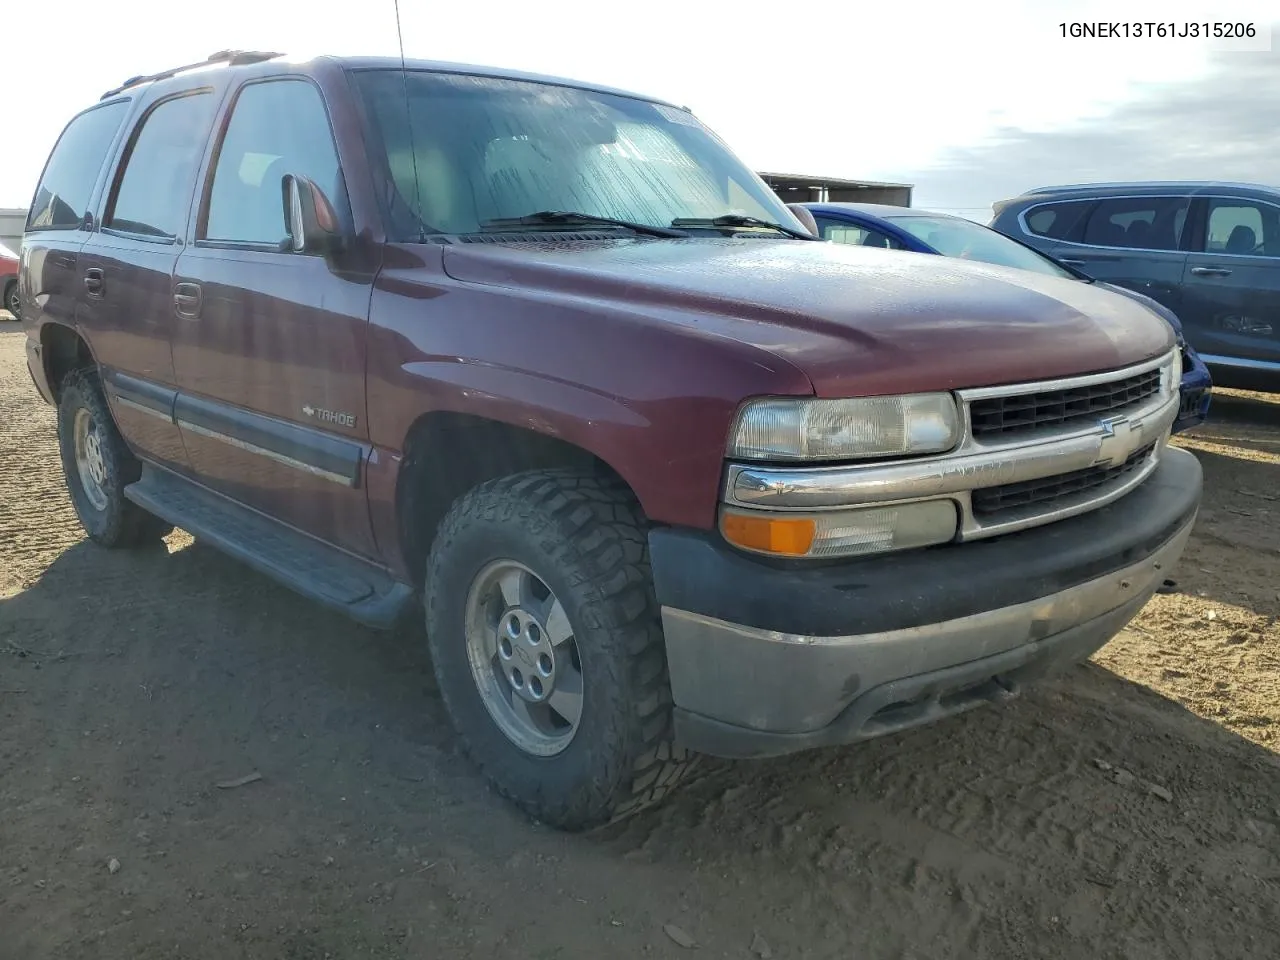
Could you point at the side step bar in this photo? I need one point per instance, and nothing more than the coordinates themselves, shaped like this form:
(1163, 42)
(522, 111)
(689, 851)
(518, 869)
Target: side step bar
(338, 580)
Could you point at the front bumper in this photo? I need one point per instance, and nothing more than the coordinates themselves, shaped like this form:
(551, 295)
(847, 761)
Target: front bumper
(768, 659)
(1195, 392)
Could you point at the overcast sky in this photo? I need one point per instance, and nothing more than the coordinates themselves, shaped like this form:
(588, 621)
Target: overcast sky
(1223, 125)
(973, 102)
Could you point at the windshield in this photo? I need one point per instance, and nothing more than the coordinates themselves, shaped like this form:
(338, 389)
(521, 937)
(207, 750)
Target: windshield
(953, 237)
(6, 253)
(466, 150)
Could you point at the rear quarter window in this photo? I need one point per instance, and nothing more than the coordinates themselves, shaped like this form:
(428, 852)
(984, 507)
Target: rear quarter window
(66, 185)
(1057, 221)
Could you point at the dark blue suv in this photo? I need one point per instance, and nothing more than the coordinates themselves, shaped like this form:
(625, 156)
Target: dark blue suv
(1210, 251)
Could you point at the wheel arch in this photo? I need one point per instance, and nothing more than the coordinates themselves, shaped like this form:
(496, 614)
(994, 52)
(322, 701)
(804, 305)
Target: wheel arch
(476, 448)
(62, 350)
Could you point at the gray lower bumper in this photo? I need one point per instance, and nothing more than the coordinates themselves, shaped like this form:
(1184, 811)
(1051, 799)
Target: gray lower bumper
(742, 691)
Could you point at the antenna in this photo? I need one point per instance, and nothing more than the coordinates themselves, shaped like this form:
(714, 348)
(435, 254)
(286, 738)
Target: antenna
(408, 116)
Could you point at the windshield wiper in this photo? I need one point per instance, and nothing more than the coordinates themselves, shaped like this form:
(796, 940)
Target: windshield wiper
(552, 218)
(739, 220)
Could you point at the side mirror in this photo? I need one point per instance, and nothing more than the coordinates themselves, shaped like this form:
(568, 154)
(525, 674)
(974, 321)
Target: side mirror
(805, 217)
(313, 224)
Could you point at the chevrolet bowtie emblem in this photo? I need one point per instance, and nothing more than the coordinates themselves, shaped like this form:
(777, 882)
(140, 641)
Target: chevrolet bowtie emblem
(1116, 443)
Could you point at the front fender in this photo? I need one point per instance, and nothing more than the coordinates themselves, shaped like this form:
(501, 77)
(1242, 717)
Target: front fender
(654, 399)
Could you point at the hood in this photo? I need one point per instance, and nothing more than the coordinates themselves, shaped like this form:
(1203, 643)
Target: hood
(857, 321)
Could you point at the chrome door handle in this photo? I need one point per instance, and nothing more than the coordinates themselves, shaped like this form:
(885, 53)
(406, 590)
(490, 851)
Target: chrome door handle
(1211, 271)
(187, 300)
(93, 281)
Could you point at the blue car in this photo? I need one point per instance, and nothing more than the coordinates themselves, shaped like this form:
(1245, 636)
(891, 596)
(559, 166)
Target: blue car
(906, 228)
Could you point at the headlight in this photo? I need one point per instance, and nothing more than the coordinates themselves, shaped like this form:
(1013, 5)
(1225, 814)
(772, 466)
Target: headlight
(841, 533)
(795, 429)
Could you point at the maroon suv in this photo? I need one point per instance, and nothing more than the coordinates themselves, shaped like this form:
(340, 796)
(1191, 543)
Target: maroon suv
(670, 477)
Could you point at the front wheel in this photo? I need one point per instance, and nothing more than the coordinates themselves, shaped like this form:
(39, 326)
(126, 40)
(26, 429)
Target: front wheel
(98, 466)
(11, 298)
(548, 648)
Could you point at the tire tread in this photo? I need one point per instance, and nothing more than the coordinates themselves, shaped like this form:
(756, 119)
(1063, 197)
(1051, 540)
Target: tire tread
(126, 523)
(608, 542)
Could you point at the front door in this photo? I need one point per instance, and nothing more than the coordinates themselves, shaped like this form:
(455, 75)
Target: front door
(1232, 282)
(269, 347)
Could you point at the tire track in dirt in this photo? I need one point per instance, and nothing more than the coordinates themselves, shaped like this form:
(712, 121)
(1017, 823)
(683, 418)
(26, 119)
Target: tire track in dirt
(36, 520)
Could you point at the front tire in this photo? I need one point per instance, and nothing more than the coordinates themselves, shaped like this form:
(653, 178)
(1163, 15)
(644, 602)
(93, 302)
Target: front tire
(547, 644)
(11, 299)
(98, 466)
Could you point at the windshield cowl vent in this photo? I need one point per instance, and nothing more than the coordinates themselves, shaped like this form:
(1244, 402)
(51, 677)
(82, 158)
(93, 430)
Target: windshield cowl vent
(546, 236)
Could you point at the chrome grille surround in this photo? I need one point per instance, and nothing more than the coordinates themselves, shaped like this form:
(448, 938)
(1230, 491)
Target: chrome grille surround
(980, 464)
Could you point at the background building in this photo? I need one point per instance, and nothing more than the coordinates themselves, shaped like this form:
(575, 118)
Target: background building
(798, 188)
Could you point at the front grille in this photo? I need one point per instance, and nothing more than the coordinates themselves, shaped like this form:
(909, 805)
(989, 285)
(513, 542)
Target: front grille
(995, 418)
(1044, 492)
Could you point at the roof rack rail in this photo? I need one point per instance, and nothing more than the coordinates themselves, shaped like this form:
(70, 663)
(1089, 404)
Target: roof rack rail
(232, 58)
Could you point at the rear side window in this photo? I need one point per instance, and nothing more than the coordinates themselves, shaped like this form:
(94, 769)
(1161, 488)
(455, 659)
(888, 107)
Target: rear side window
(277, 127)
(1144, 223)
(154, 192)
(1056, 221)
(62, 198)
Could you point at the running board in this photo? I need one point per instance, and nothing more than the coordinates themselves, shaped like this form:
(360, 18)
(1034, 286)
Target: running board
(338, 580)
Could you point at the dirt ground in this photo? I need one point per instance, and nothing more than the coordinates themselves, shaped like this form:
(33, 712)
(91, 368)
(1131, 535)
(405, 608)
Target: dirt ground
(1128, 809)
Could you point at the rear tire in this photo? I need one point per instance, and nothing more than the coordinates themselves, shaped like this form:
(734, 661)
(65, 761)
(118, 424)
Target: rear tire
(10, 301)
(559, 559)
(98, 466)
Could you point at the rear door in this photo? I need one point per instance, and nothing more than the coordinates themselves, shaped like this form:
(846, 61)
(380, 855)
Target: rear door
(1134, 242)
(126, 270)
(269, 347)
(1232, 281)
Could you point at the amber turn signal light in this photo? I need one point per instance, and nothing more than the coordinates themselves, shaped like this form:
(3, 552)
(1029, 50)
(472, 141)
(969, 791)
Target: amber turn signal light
(785, 536)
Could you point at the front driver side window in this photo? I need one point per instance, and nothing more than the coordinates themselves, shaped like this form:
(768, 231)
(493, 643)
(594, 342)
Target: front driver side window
(277, 127)
(1243, 228)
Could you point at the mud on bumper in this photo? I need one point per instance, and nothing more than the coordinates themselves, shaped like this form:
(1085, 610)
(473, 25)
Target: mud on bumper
(768, 659)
